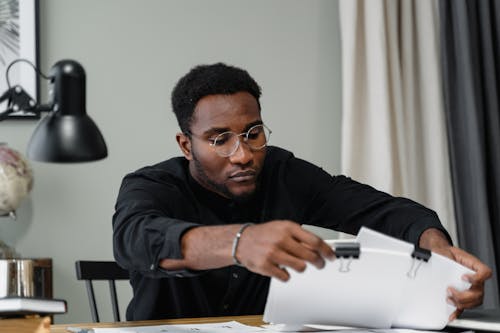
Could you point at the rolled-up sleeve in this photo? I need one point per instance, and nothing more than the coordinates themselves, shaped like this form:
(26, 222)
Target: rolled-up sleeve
(145, 227)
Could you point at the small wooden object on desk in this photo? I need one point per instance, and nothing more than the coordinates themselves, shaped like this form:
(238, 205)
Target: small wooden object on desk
(28, 324)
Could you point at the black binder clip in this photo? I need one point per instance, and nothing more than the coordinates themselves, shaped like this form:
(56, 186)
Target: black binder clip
(345, 251)
(419, 255)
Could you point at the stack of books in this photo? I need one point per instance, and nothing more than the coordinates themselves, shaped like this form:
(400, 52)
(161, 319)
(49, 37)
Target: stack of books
(28, 314)
(20, 306)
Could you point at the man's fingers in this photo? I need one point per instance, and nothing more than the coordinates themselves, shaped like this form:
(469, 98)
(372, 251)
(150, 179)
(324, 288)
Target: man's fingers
(327, 251)
(314, 243)
(287, 260)
(276, 272)
(304, 252)
(455, 314)
(269, 247)
(272, 261)
(466, 299)
(474, 295)
(483, 272)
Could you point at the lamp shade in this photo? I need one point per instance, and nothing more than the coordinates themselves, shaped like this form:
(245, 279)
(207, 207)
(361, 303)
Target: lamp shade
(67, 134)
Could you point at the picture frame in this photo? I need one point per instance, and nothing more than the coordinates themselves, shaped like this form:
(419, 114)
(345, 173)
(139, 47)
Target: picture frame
(19, 40)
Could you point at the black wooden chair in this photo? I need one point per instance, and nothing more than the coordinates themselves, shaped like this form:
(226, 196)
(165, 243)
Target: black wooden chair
(101, 270)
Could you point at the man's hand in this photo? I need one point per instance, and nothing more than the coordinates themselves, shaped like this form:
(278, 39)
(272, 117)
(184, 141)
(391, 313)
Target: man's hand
(268, 248)
(474, 296)
(436, 241)
(265, 248)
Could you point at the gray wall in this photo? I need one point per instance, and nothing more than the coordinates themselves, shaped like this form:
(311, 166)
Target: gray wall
(134, 52)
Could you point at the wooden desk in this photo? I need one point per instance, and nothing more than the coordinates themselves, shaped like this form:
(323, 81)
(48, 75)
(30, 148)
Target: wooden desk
(247, 320)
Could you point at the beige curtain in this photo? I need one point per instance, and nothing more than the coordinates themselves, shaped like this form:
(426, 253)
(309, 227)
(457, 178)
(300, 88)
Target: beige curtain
(393, 127)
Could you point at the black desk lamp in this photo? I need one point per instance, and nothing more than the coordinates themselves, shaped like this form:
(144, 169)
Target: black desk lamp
(67, 134)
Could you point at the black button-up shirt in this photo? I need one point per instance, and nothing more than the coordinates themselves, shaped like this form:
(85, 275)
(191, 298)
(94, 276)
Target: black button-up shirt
(157, 204)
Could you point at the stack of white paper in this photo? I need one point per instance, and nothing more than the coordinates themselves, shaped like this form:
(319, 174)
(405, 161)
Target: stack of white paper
(222, 327)
(385, 287)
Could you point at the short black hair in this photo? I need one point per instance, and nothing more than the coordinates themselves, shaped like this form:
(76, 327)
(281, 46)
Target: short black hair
(204, 80)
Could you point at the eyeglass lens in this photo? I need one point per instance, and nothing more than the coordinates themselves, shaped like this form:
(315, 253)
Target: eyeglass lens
(227, 143)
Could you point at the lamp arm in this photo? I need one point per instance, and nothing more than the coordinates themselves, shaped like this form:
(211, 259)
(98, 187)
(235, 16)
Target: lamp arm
(19, 100)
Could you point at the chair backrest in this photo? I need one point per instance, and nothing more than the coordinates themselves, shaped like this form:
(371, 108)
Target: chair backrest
(101, 270)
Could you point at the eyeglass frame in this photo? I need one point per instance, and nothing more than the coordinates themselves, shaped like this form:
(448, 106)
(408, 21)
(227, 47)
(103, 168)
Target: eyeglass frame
(245, 139)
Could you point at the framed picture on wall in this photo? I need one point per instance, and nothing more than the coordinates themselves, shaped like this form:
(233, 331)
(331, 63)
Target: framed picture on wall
(19, 40)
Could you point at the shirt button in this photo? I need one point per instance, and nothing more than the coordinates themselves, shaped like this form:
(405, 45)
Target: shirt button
(235, 275)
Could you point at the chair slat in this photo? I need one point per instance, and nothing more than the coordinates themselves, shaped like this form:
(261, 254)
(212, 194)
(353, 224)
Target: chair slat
(101, 270)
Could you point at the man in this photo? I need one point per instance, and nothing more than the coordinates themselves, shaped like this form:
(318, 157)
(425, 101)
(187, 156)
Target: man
(202, 234)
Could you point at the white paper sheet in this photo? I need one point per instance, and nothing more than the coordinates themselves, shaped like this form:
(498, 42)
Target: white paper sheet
(341, 329)
(478, 319)
(426, 293)
(375, 293)
(224, 327)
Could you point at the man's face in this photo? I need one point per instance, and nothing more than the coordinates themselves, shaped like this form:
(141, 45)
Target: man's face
(235, 176)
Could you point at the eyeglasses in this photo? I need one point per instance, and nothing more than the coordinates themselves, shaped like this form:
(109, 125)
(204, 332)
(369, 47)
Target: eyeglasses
(227, 143)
